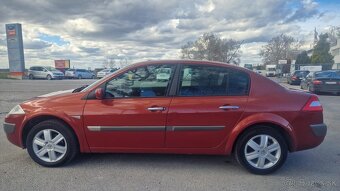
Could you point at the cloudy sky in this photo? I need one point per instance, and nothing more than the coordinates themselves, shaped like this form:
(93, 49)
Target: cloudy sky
(90, 32)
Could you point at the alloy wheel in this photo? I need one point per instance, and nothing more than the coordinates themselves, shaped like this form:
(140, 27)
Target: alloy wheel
(262, 151)
(49, 145)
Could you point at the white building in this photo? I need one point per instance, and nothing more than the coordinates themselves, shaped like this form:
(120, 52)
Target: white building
(335, 51)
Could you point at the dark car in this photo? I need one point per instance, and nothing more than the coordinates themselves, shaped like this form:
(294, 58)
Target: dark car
(322, 82)
(296, 77)
(201, 107)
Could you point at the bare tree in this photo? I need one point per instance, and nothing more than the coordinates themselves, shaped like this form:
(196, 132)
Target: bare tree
(281, 47)
(212, 47)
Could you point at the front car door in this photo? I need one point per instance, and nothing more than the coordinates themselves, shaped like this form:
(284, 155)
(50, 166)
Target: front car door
(209, 102)
(133, 113)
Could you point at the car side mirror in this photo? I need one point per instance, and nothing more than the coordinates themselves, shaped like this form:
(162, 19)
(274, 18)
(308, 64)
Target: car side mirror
(99, 92)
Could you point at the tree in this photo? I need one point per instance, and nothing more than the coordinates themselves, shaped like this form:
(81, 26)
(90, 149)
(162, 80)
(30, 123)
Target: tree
(212, 47)
(302, 58)
(281, 47)
(321, 53)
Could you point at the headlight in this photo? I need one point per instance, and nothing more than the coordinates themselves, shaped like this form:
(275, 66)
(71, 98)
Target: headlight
(17, 110)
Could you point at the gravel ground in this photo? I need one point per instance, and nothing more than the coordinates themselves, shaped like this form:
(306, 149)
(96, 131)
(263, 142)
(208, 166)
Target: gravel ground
(315, 169)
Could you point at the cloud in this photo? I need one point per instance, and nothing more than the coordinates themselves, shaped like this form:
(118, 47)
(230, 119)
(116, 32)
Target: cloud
(87, 32)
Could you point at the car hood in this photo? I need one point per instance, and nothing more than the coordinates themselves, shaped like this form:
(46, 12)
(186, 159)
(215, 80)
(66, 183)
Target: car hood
(56, 93)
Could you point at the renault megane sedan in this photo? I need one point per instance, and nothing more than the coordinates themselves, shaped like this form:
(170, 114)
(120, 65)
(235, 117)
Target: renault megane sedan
(201, 107)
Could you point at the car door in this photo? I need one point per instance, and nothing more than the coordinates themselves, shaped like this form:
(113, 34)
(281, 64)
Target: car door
(133, 113)
(209, 102)
(40, 72)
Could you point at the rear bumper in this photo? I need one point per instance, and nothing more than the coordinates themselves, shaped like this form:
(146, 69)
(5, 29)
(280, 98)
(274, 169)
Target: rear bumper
(319, 130)
(329, 89)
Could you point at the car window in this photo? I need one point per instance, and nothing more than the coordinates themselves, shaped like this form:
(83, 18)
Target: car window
(323, 74)
(146, 81)
(301, 73)
(212, 81)
(337, 74)
(70, 70)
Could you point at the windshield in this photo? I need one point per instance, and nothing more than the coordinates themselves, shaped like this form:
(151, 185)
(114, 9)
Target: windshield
(271, 69)
(97, 82)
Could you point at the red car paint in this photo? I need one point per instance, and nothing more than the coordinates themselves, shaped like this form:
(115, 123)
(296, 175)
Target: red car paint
(267, 103)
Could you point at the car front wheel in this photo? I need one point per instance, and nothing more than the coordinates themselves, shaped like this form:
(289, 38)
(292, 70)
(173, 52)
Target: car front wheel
(51, 143)
(262, 150)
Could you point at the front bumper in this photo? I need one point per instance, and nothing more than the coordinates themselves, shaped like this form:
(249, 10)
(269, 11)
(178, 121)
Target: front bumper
(9, 128)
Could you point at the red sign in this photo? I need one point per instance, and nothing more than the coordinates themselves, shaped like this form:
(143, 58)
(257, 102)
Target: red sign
(11, 33)
(62, 64)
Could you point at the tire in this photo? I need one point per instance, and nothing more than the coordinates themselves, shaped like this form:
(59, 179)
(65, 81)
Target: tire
(252, 163)
(80, 77)
(55, 153)
(31, 77)
(49, 77)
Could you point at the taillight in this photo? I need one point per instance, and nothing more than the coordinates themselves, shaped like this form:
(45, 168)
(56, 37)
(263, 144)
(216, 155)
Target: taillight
(294, 77)
(313, 104)
(317, 82)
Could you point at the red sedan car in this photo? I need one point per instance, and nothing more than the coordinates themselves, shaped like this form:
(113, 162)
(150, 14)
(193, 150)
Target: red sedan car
(184, 107)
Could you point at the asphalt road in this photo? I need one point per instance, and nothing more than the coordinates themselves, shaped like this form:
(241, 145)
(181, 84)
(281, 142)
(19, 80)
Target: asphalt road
(316, 169)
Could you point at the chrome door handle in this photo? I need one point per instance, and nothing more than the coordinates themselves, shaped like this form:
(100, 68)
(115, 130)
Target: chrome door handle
(231, 107)
(156, 108)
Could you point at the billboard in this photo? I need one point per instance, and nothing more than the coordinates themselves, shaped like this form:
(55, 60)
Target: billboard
(15, 50)
(62, 64)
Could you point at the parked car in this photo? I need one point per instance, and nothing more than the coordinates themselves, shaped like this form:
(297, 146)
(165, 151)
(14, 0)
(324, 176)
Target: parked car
(296, 77)
(79, 73)
(322, 82)
(105, 72)
(44, 72)
(216, 109)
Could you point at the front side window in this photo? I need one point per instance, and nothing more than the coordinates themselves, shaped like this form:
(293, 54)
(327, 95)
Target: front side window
(212, 81)
(146, 81)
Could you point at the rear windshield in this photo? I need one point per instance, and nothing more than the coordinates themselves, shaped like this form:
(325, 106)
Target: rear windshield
(301, 73)
(324, 74)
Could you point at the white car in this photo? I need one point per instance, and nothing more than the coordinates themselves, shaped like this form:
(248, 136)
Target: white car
(105, 72)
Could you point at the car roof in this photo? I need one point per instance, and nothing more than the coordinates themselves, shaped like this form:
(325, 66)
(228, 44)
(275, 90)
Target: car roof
(198, 62)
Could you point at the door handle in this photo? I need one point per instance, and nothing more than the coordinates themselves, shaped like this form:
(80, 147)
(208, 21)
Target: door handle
(227, 107)
(156, 108)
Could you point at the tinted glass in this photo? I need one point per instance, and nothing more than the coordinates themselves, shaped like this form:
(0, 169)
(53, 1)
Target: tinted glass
(212, 81)
(301, 73)
(147, 81)
(324, 74)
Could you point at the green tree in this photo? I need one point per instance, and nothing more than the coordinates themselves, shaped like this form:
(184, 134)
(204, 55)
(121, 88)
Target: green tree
(303, 58)
(212, 47)
(321, 53)
(281, 47)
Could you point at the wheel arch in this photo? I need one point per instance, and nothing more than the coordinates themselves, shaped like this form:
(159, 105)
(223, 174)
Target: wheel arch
(274, 126)
(38, 119)
(268, 120)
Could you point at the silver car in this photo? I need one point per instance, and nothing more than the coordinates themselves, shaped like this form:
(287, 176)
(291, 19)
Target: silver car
(44, 72)
(105, 72)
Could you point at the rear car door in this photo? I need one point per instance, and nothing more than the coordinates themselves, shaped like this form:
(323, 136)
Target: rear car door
(209, 102)
(133, 113)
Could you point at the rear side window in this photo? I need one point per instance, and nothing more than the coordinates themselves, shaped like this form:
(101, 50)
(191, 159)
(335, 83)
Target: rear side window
(212, 81)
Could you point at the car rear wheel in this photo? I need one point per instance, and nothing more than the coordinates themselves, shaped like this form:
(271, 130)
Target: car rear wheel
(51, 143)
(31, 77)
(261, 150)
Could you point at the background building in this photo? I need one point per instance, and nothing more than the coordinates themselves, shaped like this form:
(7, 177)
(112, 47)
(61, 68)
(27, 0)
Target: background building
(335, 51)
